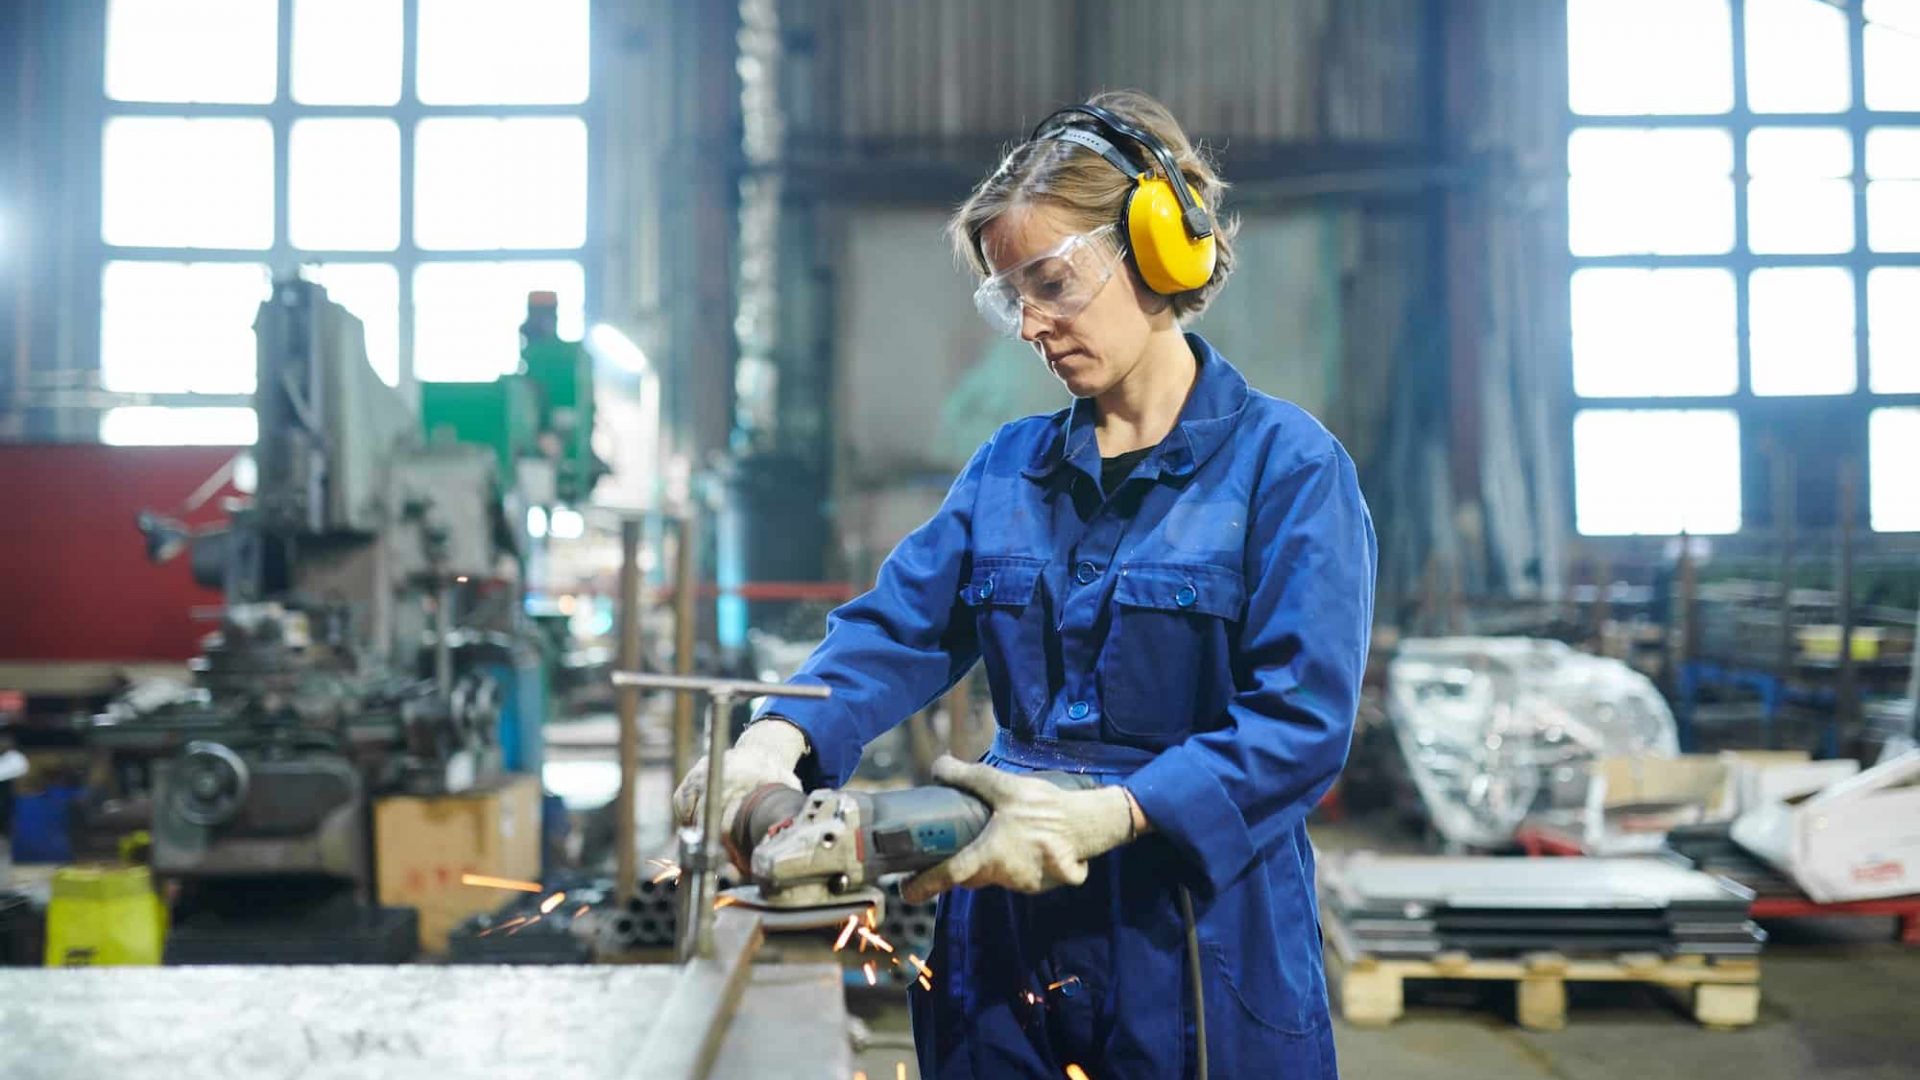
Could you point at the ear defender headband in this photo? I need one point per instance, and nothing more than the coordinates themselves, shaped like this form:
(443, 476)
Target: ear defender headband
(1169, 233)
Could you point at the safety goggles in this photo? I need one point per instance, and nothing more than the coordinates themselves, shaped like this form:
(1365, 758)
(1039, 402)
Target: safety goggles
(1057, 284)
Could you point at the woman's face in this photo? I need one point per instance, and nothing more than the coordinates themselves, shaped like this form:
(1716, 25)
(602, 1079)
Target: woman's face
(1094, 350)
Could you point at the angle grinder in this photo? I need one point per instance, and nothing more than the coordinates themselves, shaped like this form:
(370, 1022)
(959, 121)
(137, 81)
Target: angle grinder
(831, 848)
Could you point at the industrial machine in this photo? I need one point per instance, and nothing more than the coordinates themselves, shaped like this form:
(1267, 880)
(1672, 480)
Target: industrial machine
(367, 581)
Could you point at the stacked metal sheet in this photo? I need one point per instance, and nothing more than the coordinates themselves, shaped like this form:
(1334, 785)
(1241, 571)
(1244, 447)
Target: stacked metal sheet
(1416, 906)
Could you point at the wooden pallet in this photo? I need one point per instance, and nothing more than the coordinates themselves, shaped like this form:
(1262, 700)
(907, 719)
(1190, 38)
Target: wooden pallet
(1723, 993)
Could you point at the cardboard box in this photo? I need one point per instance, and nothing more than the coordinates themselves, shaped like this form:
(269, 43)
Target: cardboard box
(423, 844)
(1858, 839)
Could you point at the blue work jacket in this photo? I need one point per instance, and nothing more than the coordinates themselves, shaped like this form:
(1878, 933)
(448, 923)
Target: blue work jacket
(1198, 635)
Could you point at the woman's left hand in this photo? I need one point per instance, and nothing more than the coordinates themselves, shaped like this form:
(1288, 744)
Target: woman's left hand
(1040, 836)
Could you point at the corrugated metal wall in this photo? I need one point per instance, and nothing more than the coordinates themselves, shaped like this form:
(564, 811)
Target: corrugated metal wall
(1263, 70)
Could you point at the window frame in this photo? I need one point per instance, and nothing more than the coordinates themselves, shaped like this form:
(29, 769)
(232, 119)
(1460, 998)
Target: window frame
(281, 257)
(1761, 417)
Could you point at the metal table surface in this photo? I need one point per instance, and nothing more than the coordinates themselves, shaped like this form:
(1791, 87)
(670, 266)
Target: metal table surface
(417, 1023)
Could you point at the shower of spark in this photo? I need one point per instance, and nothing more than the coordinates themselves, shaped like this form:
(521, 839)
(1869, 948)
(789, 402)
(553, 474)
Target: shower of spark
(669, 871)
(846, 932)
(485, 882)
(551, 902)
(873, 978)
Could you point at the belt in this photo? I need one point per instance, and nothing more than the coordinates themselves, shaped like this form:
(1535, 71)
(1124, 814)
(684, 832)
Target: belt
(1068, 755)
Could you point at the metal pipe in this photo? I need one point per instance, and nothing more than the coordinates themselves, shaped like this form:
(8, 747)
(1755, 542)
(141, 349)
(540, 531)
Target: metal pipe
(1846, 709)
(625, 828)
(719, 713)
(700, 684)
(685, 623)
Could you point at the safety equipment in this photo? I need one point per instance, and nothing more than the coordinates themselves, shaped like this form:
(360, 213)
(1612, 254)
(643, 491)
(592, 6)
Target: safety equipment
(766, 753)
(1057, 283)
(1039, 838)
(1168, 231)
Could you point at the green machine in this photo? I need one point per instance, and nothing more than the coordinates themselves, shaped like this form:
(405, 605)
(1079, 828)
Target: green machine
(538, 420)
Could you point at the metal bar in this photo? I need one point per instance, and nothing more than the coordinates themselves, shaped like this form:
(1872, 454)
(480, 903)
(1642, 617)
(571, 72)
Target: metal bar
(685, 625)
(1846, 701)
(701, 685)
(686, 1037)
(719, 713)
(625, 828)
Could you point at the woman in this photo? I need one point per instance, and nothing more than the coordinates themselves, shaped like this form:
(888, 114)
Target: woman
(1171, 584)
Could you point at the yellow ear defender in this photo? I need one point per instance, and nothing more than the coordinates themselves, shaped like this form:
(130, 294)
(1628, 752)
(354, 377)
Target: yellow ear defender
(1168, 232)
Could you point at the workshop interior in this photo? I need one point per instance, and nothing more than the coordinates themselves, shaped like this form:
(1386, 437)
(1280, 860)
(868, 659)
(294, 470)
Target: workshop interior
(433, 426)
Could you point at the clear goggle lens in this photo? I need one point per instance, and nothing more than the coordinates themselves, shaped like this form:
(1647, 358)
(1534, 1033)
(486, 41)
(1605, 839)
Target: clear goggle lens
(1058, 284)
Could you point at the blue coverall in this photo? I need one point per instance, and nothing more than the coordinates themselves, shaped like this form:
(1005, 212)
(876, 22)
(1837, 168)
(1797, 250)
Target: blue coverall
(1199, 635)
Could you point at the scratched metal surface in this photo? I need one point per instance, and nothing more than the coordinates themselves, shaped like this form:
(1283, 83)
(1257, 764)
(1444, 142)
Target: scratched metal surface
(353, 1023)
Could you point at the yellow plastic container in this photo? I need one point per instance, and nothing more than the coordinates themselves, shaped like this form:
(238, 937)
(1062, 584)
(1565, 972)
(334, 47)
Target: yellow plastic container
(104, 915)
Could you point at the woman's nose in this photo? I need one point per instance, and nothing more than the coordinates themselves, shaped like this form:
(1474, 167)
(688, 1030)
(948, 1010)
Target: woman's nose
(1033, 325)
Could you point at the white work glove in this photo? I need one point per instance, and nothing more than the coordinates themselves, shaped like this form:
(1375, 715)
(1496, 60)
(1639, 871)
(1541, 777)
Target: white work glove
(766, 754)
(1040, 836)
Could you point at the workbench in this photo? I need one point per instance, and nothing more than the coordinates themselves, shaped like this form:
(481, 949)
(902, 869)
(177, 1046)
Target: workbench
(404, 1023)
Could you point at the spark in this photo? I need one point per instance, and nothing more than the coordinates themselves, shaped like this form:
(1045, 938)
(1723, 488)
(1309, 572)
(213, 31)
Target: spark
(485, 882)
(878, 942)
(1032, 998)
(1075, 1072)
(669, 871)
(846, 932)
(858, 1075)
(584, 908)
(924, 984)
(872, 978)
(916, 962)
(871, 921)
(899, 1070)
(551, 902)
(725, 901)
(523, 926)
(1057, 985)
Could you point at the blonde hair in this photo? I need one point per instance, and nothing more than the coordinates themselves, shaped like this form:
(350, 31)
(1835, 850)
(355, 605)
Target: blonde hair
(1090, 192)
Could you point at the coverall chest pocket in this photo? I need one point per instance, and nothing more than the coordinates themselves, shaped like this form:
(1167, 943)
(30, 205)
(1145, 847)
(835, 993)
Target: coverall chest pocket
(1165, 667)
(1003, 593)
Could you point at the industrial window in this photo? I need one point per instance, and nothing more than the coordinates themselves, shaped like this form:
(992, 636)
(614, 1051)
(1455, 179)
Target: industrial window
(423, 160)
(1743, 198)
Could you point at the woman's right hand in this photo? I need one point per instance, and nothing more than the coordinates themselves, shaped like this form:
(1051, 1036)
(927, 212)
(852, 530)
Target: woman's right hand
(766, 754)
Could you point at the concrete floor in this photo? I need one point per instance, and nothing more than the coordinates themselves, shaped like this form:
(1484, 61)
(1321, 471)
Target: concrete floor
(1840, 1001)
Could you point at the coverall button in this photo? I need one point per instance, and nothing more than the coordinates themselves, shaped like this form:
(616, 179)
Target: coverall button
(1078, 710)
(986, 589)
(1085, 572)
(1186, 596)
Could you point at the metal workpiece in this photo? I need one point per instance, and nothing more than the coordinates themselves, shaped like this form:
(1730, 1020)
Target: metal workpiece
(460, 1022)
(700, 847)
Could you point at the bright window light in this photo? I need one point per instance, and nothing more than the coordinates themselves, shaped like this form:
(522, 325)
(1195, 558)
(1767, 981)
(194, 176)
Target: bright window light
(567, 524)
(1656, 472)
(147, 425)
(1797, 57)
(1641, 191)
(1893, 461)
(1893, 189)
(343, 185)
(1800, 198)
(1801, 322)
(1634, 57)
(616, 350)
(371, 291)
(346, 52)
(483, 183)
(192, 50)
(1893, 54)
(180, 327)
(1654, 333)
(536, 522)
(467, 315)
(187, 183)
(1893, 329)
(503, 52)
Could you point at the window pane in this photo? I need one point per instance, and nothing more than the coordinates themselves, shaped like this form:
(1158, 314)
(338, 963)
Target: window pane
(1626, 57)
(343, 185)
(1656, 472)
(467, 315)
(1802, 325)
(1893, 330)
(1799, 199)
(346, 52)
(482, 183)
(503, 52)
(179, 327)
(1797, 57)
(1893, 54)
(371, 291)
(192, 50)
(1893, 449)
(147, 425)
(1654, 333)
(1641, 191)
(1893, 189)
(168, 181)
